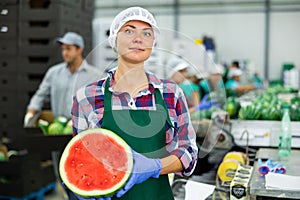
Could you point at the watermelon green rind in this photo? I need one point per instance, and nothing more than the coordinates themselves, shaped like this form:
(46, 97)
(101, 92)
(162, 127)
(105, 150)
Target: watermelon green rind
(96, 193)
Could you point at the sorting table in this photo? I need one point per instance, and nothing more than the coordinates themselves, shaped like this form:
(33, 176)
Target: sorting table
(257, 182)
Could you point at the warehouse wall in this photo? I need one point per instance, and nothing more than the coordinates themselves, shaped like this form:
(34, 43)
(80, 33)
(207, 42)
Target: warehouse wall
(238, 35)
(284, 41)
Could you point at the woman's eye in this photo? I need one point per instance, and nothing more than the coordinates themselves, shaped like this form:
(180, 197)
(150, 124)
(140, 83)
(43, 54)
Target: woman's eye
(147, 34)
(128, 31)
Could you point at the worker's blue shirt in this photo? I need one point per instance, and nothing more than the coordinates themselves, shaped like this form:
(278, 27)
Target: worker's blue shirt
(232, 84)
(60, 85)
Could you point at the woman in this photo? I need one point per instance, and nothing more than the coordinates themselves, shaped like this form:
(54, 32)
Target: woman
(150, 114)
(234, 83)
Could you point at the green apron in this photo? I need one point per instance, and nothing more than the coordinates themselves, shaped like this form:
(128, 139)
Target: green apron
(145, 132)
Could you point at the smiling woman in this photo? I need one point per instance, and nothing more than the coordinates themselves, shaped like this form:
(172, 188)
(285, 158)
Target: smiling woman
(149, 113)
(134, 42)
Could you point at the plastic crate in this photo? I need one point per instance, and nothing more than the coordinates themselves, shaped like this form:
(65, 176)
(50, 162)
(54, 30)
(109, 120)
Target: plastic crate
(36, 64)
(47, 30)
(31, 81)
(37, 4)
(20, 82)
(13, 99)
(39, 194)
(8, 64)
(8, 47)
(45, 144)
(46, 12)
(8, 30)
(88, 5)
(12, 116)
(22, 175)
(9, 81)
(9, 13)
(9, 2)
(33, 49)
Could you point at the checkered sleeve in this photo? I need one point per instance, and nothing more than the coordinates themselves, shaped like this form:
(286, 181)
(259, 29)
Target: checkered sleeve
(79, 120)
(183, 145)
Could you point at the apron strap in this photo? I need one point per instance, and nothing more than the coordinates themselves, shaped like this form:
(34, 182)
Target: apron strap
(107, 95)
(159, 99)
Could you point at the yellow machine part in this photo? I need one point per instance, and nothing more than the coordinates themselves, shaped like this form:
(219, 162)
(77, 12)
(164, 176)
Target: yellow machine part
(230, 163)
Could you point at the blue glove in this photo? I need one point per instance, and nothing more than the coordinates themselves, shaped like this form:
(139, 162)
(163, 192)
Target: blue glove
(206, 104)
(73, 196)
(143, 169)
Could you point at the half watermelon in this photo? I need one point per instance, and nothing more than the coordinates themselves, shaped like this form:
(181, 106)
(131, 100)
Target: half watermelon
(96, 163)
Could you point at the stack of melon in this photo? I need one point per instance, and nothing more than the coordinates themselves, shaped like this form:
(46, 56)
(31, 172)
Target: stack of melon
(60, 126)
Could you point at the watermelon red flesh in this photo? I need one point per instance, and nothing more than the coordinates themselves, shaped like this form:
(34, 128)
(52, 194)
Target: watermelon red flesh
(96, 165)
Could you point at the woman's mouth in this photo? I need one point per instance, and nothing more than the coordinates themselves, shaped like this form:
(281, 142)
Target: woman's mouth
(136, 49)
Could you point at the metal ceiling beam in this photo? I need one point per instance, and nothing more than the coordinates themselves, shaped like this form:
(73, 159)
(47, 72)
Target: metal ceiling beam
(176, 17)
(267, 40)
(203, 4)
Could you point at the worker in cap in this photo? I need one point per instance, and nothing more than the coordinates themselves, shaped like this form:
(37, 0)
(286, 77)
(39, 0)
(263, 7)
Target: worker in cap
(235, 64)
(234, 82)
(214, 81)
(178, 72)
(181, 73)
(149, 113)
(62, 80)
(71, 38)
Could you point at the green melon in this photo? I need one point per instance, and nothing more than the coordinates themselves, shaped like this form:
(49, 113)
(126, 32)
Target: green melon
(68, 130)
(44, 125)
(2, 156)
(55, 129)
(96, 163)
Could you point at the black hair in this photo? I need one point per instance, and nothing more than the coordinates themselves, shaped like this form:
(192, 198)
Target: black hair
(236, 63)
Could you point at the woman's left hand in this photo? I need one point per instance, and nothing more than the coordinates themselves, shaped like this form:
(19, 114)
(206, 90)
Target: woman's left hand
(143, 169)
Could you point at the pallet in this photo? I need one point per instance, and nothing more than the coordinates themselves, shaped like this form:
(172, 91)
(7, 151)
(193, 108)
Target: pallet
(38, 195)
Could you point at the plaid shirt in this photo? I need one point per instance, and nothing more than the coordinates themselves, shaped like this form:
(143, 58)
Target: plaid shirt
(88, 107)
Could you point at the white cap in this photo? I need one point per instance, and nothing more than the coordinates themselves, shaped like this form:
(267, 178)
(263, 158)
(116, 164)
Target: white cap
(129, 14)
(200, 74)
(234, 72)
(179, 66)
(71, 38)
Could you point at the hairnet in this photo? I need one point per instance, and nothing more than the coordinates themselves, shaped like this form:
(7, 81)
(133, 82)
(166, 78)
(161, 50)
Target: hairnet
(177, 67)
(234, 72)
(132, 13)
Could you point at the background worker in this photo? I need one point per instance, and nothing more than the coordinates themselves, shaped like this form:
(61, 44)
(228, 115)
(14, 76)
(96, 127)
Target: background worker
(214, 81)
(234, 65)
(234, 84)
(179, 73)
(158, 148)
(64, 79)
